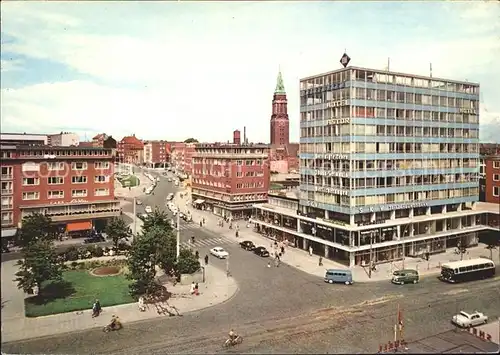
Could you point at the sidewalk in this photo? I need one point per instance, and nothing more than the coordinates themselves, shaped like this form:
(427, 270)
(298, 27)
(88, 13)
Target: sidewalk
(217, 289)
(300, 259)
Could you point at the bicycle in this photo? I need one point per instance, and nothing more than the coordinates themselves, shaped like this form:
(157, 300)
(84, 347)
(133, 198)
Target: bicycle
(231, 342)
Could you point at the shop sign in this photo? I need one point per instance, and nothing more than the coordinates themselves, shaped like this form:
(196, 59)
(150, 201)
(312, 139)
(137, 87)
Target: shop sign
(330, 173)
(338, 121)
(58, 202)
(78, 200)
(468, 111)
(336, 104)
(330, 190)
(393, 207)
(334, 221)
(331, 156)
(311, 204)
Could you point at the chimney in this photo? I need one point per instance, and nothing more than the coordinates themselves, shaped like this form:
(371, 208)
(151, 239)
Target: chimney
(245, 135)
(236, 137)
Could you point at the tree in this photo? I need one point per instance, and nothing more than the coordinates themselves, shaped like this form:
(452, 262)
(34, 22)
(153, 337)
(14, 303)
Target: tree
(117, 229)
(187, 263)
(157, 219)
(40, 264)
(36, 227)
(155, 247)
(191, 140)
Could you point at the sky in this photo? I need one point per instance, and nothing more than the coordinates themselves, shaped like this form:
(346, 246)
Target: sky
(173, 70)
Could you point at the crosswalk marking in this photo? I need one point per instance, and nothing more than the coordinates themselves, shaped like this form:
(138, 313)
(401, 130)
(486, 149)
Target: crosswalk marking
(210, 242)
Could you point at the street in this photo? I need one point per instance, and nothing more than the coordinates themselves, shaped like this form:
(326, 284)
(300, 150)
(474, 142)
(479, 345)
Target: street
(281, 310)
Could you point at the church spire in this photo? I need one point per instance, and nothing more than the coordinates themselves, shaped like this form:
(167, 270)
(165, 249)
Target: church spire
(280, 87)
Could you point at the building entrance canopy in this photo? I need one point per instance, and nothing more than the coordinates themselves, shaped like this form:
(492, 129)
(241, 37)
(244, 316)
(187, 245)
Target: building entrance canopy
(199, 201)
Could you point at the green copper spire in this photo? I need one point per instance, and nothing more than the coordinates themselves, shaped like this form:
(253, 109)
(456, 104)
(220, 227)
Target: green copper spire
(280, 87)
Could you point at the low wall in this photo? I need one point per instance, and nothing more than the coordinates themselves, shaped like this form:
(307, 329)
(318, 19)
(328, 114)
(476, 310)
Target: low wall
(198, 277)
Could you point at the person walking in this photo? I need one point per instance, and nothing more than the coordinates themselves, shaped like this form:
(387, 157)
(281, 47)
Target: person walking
(310, 251)
(206, 259)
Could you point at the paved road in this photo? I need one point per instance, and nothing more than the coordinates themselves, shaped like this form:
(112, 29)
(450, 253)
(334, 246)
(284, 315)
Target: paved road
(282, 310)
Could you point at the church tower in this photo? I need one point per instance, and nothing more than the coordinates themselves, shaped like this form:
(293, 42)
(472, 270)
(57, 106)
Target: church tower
(280, 126)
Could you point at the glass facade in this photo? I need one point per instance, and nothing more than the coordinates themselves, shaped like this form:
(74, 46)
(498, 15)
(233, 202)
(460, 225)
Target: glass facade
(383, 143)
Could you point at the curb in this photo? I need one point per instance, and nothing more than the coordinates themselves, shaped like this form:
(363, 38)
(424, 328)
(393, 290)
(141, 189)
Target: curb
(236, 291)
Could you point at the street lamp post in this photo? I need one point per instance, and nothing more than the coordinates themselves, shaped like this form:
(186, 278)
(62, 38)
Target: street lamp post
(371, 256)
(135, 217)
(178, 241)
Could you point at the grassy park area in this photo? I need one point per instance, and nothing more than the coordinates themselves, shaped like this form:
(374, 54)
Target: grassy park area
(129, 180)
(78, 291)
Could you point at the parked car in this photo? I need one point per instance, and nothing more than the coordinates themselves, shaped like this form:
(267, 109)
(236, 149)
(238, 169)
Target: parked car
(138, 202)
(261, 251)
(247, 245)
(148, 209)
(467, 320)
(94, 239)
(169, 179)
(219, 252)
(405, 276)
(170, 196)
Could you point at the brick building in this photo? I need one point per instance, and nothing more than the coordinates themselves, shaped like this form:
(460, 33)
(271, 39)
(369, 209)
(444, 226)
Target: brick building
(182, 156)
(492, 179)
(157, 153)
(229, 178)
(72, 185)
(284, 156)
(130, 150)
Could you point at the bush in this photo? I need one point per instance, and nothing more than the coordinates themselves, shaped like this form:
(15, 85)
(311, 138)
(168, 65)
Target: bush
(74, 264)
(71, 254)
(188, 263)
(98, 252)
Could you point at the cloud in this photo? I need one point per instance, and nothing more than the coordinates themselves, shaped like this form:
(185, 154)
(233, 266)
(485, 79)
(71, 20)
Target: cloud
(174, 70)
(10, 65)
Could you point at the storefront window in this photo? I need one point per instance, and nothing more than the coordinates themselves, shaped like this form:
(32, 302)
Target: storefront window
(325, 233)
(342, 237)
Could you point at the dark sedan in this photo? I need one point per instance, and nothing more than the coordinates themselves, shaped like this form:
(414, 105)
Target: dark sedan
(247, 245)
(94, 239)
(261, 251)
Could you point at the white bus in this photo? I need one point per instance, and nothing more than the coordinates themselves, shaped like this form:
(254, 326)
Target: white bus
(467, 270)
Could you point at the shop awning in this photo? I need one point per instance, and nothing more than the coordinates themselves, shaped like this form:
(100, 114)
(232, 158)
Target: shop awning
(78, 226)
(9, 232)
(199, 201)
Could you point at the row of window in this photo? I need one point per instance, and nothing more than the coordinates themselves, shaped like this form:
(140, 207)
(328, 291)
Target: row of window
(360, 147)
(383, 182)
(362, 165)
(250, 185)
(387, 113)
(387, 198)
(387, 78)
(77, 165)
(227, 162)
(228, 151)
(390, 130)
(387, 96)
(59, 180)
(35, 195)
(66, 153)
(496, 165)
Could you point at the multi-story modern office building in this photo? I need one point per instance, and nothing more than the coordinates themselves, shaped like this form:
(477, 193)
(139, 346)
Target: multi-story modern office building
(72, 185)
(388, 162)
(229, 178)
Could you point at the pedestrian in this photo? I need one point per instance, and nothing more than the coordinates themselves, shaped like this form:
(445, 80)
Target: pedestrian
(282, 250)
(192, 288)
(197, 254)
(206, 259)
(203, 220)
(310, 251)
(320, 262)
(201, 224)
(268, 264)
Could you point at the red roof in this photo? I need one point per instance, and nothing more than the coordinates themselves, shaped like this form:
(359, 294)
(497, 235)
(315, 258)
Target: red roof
(132, 140)
(100, 136)
(85, 144)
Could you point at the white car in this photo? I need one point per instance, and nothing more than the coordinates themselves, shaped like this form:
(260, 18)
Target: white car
(467, 320)
(148, 209)
(219, 252)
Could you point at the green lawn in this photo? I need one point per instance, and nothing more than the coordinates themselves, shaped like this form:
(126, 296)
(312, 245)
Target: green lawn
(129, 181)
(78, 292)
